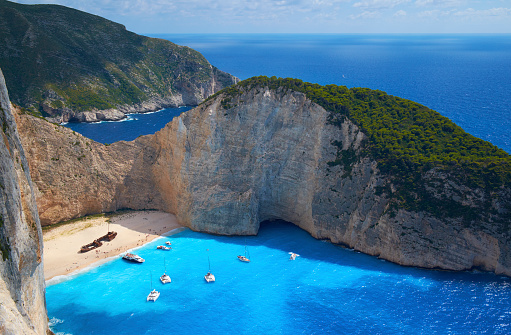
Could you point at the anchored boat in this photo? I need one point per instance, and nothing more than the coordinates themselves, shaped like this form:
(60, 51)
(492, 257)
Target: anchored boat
(154, 294)
(244, 258)
(133, 258)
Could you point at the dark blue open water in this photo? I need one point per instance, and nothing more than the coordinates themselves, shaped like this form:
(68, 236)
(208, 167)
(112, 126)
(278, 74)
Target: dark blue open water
(327, 290)
(130, 128)
(466, 78)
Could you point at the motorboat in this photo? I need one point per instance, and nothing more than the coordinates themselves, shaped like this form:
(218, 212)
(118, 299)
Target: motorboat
(163, 247)
(153, 295)
(293, 256)
(168, 243)
(133, 258)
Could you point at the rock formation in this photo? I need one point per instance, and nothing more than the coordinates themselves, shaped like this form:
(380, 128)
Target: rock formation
(265, 154)
(68, 65)
(22, 308)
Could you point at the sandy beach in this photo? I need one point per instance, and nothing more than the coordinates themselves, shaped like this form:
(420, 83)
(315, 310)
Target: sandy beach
(62, 244)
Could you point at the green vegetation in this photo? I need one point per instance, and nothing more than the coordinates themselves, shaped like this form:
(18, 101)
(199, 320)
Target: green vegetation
(56, 57)
(63, 223)
(5, 249)
(407, 140)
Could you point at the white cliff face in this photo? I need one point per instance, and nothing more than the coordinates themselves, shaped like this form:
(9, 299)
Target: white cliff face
(22, 308)
(269, 154)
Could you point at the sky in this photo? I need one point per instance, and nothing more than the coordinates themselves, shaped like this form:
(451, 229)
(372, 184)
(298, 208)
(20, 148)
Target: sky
(300, 16)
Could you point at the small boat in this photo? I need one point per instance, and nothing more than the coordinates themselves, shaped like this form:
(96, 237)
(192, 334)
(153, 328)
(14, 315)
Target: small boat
(165, 278)
(133, 258)
(209, 277)
(168, 243)
(293, 256)
(154, 294)
(163, 247)
(244, 258)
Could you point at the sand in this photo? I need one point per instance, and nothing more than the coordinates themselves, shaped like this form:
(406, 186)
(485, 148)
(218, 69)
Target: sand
(62, 244)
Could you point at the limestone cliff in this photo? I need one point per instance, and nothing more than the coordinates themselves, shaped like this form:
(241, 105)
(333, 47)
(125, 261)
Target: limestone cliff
(256, 153)
(22, 308)
(68, 65)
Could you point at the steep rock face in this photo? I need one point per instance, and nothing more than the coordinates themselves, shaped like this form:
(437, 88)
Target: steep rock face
(265, 154)
(271, 157)
(73, 66)
(23, 309)
(75, 176)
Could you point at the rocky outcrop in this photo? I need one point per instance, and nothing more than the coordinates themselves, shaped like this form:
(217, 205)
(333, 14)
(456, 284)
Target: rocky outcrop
(22, 308)
(262, 154)
(68, 65)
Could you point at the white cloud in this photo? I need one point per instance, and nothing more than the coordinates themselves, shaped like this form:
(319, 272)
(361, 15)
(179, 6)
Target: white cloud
(434, 14)
(494, 12)
(373, 5)
(438, 3)
(400, 13)
(365, 15)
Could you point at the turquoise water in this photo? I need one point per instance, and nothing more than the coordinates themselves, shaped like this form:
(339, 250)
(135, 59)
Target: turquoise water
(326, 290)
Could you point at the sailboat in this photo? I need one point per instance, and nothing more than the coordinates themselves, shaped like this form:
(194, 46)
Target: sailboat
(154, 294)
(165, 277)
(209, 277)
(244, 258)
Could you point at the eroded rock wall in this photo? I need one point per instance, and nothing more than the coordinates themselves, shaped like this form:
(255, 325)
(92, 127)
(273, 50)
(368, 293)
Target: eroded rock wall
(22, 308)
(268, 154)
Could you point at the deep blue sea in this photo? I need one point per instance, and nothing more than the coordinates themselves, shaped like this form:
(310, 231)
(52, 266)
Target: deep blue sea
(466, 78)
(327, 290)
(128, 129)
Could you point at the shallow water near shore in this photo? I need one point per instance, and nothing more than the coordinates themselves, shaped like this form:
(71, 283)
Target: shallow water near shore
(326, 290)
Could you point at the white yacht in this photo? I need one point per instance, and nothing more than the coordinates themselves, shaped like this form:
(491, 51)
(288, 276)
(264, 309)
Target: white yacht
(165, 278)
(209, 277)
(153, 295)
(163, 247)
(133, 258)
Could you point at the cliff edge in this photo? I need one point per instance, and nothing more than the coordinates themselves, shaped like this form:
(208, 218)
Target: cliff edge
(68, 65)
(23, 307)
(376, 173)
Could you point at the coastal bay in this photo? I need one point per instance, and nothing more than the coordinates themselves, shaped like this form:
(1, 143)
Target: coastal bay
(62, 244)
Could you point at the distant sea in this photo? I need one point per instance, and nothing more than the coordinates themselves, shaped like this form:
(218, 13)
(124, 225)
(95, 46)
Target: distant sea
(327, 289)
(466, 78)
